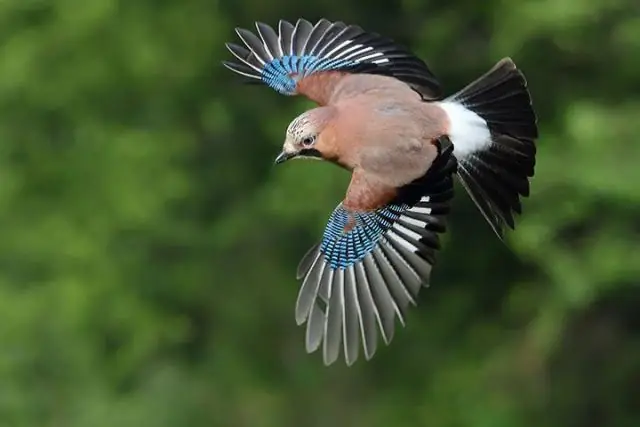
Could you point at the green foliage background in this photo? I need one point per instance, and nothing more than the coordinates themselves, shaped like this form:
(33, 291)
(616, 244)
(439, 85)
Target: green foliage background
(149, 247)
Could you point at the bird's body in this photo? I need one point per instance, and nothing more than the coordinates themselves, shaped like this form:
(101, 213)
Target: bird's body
(380, 130)
(382, 117)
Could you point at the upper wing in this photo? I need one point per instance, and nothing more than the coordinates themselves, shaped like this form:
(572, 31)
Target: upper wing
(282, 60)
(371, 265)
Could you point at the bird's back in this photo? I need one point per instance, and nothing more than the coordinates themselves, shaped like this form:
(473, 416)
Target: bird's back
(356, 85)
(385, 128)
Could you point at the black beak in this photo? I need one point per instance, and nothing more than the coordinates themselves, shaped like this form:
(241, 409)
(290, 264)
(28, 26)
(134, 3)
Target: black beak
(283, 157)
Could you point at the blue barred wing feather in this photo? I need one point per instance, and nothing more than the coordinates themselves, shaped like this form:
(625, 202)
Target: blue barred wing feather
(281, 58)
(370, 266)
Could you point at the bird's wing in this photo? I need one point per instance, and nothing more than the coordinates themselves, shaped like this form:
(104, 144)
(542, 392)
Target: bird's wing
(326, 50)
(370, 266)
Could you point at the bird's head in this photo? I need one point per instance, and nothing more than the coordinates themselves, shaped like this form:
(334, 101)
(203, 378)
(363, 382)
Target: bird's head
(305, 138)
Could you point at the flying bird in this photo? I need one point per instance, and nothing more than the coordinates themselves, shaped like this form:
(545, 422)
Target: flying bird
(381, 114)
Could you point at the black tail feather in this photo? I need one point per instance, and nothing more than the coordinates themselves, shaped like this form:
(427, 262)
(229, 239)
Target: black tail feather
(497, 176)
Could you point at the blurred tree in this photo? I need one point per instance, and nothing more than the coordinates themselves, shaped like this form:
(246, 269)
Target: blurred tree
(149, 248)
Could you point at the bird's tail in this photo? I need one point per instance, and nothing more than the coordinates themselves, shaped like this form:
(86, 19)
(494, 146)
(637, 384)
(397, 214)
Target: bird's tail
(493, 128)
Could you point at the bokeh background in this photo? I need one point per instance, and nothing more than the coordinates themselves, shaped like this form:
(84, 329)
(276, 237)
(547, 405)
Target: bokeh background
(149, 247)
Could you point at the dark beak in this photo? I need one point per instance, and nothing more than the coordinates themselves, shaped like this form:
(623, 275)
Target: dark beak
(283, 157)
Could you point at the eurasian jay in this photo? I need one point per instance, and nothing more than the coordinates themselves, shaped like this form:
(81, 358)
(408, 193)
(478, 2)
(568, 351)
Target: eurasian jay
(381, 115)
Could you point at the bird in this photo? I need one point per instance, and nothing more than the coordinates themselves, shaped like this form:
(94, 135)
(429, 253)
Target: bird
(382, 115)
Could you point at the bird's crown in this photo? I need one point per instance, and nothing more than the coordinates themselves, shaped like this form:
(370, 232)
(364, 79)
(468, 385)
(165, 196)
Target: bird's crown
(299, 125)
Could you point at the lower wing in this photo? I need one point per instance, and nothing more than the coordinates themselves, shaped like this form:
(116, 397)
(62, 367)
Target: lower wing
(357, 282)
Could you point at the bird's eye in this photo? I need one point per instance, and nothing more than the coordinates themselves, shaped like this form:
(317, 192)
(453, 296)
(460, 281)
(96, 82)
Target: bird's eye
(309, 140)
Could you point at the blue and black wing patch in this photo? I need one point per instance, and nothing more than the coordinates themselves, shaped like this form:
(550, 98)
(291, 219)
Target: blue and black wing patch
(370, 266)
(281, 59)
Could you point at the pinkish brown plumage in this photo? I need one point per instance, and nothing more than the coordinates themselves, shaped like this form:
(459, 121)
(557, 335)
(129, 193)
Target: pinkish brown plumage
(375, 126)
(319, 87)
(381, 115)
